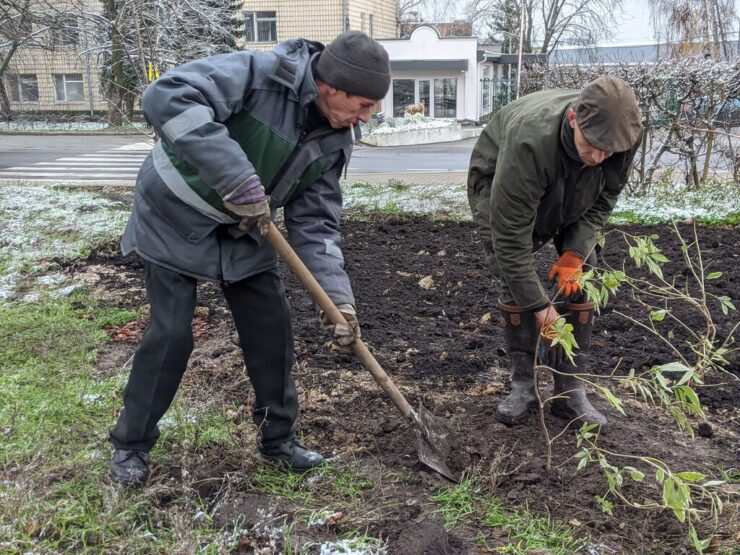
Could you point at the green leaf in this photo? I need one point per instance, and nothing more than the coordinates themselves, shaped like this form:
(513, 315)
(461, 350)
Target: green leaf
(699, 545)
(658, 257)
(714, 275)
(726, 304)
(635, 474)
(659, 476)
(606, 505)
(658, 315)
(674, 367)
(691, 476)
(614, 400)
(674, 498)
(582, 463)
(713, 483)
(688, 397)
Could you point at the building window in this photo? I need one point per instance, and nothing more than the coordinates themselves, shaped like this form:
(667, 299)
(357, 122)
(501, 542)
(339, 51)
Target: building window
(403, 95)
(261, 27)
(69, 87)
(23, 88)
(445, 98)
(65, 31)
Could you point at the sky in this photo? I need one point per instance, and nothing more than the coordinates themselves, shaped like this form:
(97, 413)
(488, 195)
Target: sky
(633, 25)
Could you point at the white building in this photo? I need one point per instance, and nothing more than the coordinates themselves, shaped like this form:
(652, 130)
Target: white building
(442, 72)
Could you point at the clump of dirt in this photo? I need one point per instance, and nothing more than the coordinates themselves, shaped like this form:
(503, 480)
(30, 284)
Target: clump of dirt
(428, 310)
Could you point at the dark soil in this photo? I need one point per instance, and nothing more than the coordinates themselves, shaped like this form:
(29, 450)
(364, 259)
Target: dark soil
(443, 346)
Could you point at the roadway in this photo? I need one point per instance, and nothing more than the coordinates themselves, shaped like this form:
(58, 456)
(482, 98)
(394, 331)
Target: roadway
(117, 158)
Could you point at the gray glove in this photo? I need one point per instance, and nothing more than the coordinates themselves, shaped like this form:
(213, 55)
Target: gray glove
(251, 204)
(342, 335)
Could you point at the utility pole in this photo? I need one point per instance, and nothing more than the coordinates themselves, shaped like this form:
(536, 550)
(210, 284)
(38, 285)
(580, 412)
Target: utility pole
(521, 45)
(88, 63)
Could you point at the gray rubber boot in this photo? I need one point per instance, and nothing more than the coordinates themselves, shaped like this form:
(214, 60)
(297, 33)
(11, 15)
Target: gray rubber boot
(574, 405)
(521, 339)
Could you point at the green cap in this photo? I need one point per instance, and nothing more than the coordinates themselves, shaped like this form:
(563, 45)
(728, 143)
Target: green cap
(608, 115)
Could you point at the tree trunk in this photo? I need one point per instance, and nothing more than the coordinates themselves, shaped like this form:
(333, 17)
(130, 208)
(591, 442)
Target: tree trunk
(708, 158)
(5, 111)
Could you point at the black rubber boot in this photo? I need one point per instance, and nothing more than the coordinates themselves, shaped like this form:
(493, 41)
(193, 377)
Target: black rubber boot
(130, 467)
(574, 405)
(520, 331)
(292, 455)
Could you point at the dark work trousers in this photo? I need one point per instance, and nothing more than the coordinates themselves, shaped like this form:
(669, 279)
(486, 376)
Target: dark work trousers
(506, 297)
(262, 318)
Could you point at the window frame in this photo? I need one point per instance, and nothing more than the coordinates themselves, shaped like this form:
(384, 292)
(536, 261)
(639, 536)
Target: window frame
(256, 18)
(64, 81)
(15, 81)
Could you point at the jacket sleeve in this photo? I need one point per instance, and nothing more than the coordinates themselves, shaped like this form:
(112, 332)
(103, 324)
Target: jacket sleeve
(515, 196)
(480, 178)
(312, 221)
(582, 235)
(187, 107)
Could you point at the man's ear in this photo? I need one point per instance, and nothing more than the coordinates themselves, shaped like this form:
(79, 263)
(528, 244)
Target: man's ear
(326, 89)
(572, 118)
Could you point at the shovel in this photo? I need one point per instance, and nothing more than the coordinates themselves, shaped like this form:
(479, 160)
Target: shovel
(432, 433)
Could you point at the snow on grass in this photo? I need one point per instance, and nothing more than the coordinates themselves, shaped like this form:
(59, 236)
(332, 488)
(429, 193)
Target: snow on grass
(412, 123)
(39, 223)
(717, 201)
(398, 197)
(31, 125)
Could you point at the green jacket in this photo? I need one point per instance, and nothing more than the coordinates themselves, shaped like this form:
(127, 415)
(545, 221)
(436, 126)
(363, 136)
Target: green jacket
(524, 189)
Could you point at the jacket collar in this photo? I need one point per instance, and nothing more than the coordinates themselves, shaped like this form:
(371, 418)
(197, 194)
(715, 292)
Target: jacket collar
(293, 68)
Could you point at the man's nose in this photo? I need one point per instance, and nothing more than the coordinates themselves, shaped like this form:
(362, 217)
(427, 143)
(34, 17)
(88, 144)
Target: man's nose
(364, 115)
(599, 156)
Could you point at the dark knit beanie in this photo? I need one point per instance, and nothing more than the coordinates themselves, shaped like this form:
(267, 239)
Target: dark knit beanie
(608, 115)
(357, 64)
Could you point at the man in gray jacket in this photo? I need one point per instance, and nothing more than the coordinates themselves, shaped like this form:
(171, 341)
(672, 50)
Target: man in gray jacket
(242, 134)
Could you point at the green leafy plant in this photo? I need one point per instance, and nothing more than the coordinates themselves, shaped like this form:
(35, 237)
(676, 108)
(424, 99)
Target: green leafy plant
(679, 490)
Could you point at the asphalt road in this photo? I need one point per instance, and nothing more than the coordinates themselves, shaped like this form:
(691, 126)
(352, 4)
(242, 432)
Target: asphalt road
(118, 157)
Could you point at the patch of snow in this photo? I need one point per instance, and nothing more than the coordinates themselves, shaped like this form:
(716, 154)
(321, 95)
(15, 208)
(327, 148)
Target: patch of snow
(59, 125)
(416, 199)
(51, 279)
(39, 223)
(352, 547)
(397, 125)
(92, 398)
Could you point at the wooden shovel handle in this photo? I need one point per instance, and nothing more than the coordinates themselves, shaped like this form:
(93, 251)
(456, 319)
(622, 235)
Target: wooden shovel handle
(320, 297)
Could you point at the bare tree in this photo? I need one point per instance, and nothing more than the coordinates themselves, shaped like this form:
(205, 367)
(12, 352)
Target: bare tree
(696, 26)
(546, 22)
(23, 24)
(136, 40)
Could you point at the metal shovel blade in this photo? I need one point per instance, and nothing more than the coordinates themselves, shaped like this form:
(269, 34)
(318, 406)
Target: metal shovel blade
(433, 441)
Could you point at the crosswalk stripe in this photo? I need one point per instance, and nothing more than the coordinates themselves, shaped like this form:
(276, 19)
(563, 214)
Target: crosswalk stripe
(119, 164)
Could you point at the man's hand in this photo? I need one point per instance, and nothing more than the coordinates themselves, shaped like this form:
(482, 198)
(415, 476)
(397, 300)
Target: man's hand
(566, 271)
(342, 335)
(250, 202)
(545, 319)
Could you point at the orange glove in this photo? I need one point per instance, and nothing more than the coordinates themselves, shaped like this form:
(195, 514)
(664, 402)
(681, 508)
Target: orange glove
(567, 270)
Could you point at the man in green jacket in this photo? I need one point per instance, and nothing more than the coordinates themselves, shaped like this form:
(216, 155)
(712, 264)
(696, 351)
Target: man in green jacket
(550, 165)
(243, 134)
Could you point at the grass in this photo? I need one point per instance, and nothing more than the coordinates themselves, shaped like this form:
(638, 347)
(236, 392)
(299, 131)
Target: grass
(469, 504)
